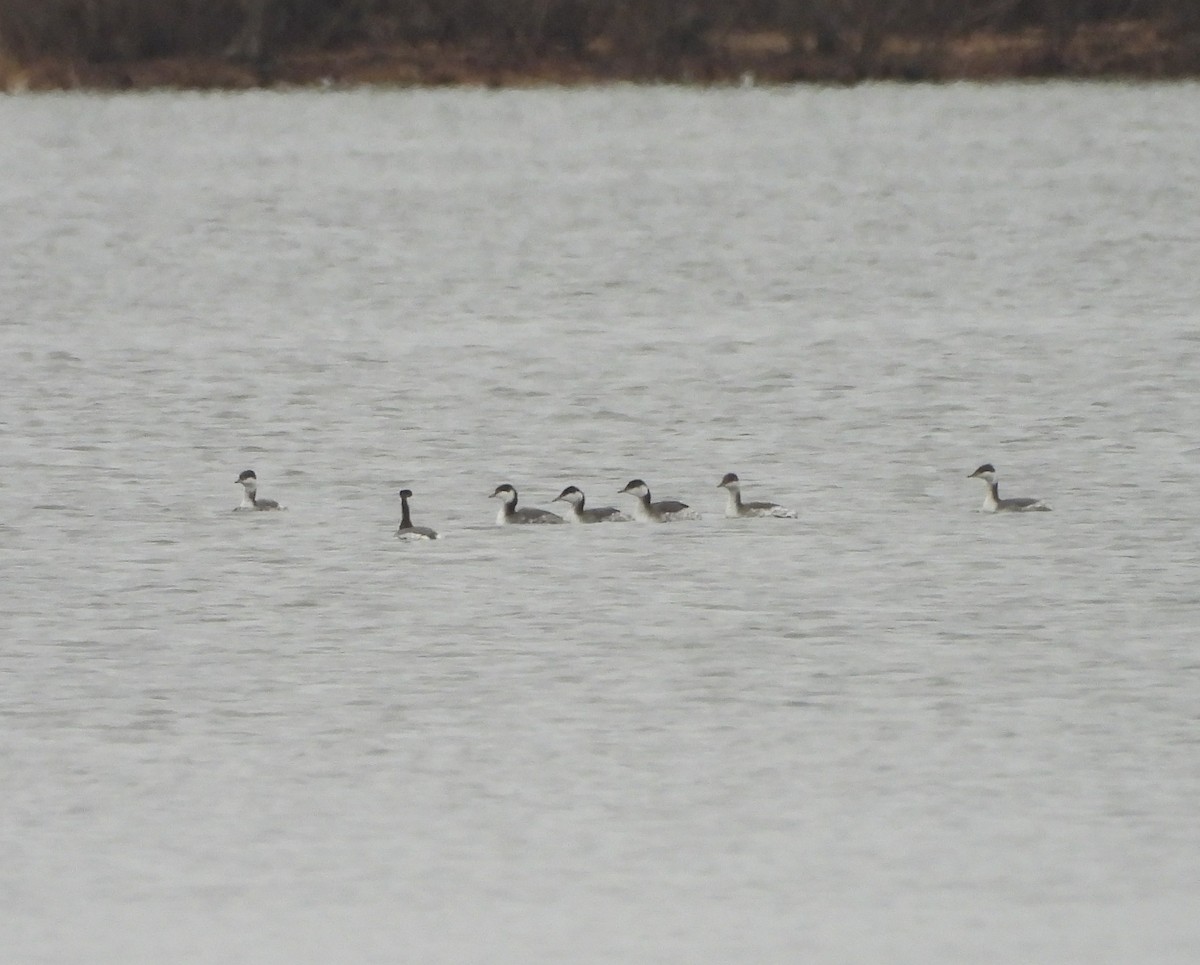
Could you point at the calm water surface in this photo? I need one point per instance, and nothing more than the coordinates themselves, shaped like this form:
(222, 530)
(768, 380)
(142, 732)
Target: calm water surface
(892, 730)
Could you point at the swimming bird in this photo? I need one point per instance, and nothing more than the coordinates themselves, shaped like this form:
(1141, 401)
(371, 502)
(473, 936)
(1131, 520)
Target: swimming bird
(250, 499)
(575, 497)
(735, 507)
(407, 530)
(992, 503)
(649, 512)
(509, 513)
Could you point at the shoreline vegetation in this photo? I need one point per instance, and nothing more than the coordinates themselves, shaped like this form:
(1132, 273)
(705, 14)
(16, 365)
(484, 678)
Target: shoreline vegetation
(240, 44)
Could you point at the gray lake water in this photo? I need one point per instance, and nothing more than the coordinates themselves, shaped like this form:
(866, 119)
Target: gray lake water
(892, 730)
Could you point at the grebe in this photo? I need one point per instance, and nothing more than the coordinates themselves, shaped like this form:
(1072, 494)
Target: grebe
(510, 514)
(250, 499)
(649, 512)
(407, 530)
(735, 507)
(578, 514)
(992, 503)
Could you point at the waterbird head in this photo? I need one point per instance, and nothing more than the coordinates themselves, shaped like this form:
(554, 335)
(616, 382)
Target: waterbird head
(729, 481)
(506, 492)
(406, 494)
(986, 472)
(636, 487)
(248, 479)
(571, 494)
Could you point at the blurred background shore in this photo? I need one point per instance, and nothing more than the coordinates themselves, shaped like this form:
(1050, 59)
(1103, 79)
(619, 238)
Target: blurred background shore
(230, 44)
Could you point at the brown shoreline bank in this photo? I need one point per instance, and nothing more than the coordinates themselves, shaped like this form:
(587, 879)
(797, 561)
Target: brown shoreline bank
(1132, 50)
